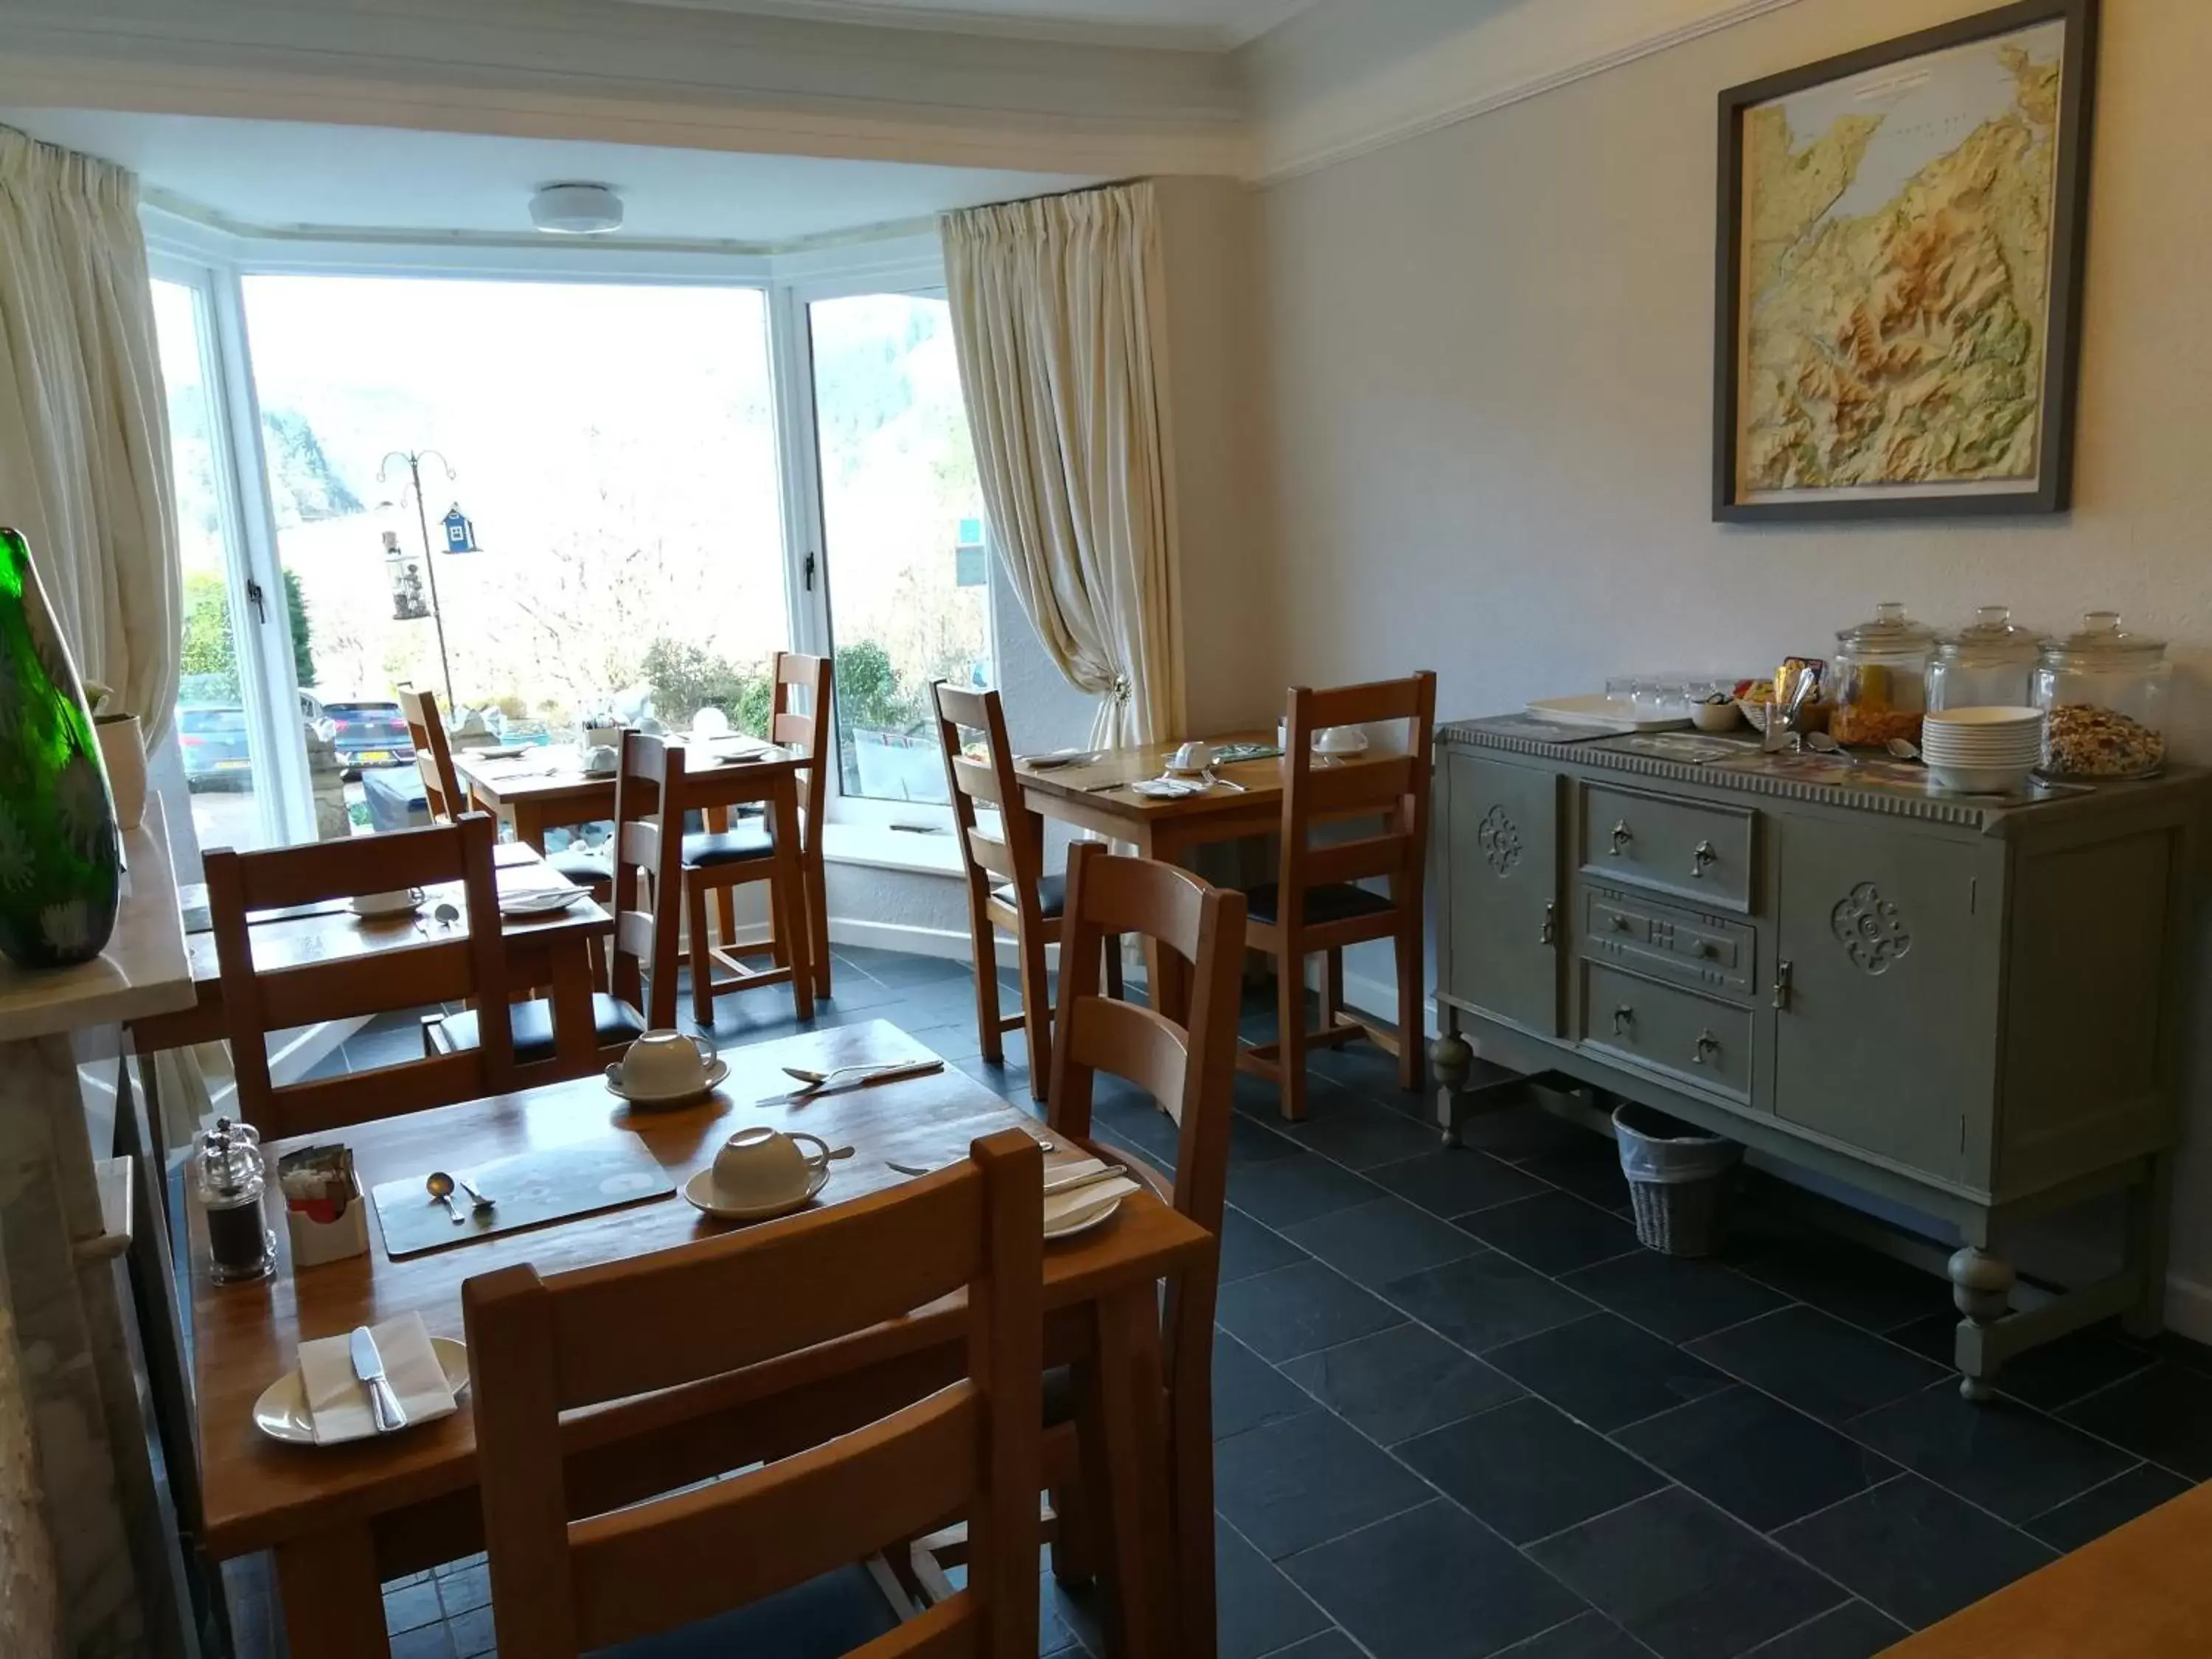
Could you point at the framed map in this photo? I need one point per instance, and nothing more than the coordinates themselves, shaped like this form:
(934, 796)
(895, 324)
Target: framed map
(1899, 283)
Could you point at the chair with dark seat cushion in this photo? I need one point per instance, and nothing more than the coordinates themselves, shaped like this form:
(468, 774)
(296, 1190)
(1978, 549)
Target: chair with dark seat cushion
(584, 866)
(1376, 804)
(615, 1026)
(746, 840)
(1006, 884)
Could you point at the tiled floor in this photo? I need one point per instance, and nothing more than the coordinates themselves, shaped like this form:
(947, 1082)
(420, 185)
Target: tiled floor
(1459, 1413)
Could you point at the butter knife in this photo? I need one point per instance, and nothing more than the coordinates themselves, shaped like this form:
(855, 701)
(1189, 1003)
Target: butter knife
(368, 1366)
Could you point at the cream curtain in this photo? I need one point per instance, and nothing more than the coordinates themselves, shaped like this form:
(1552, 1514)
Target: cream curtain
(1057, 312)
(84, 443)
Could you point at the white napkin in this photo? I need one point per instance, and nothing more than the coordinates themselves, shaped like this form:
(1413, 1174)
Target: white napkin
(1062, 1209)
(337, 1401)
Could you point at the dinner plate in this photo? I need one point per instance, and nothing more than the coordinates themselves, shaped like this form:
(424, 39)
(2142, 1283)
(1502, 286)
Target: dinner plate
(281, 1412)
(1169, 788)
(540, 903)
(715, 1074)
(699, 1189)
(504, 751)
(1084, 1220)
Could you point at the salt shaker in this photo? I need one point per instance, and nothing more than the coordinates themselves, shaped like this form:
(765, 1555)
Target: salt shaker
(228, 1173)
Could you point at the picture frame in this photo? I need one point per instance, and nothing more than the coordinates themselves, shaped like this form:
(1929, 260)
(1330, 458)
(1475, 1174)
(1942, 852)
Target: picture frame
(1844, 389)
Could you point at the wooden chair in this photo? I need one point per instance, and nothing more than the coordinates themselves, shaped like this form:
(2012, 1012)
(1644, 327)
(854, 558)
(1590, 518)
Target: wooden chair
(1314, 906)
(809, 730)
(433, 755)
(1191, 1073)
(712, 864)
(466, 965)
(1006, 884)
(539, 1347)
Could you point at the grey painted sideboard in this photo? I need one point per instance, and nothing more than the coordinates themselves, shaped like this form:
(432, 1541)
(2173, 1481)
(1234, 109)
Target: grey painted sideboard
(1971, 1009)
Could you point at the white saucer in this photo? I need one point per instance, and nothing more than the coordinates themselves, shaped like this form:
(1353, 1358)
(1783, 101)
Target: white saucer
(281, 1412)
(504, 751)
(1084, 1220)
(1169, 788)
(713, 1080)
(700, 1190)
(541, 902)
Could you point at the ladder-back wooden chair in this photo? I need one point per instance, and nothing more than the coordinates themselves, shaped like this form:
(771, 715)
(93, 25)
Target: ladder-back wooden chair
(539, 1347)
(802, 678)
(1315, 905)
(442, 793)
(1191, 1073)
(1006, 884)
(467, 963)
(713, 863)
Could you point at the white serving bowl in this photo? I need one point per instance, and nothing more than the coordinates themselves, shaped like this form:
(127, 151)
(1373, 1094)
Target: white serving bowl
(1981, 780)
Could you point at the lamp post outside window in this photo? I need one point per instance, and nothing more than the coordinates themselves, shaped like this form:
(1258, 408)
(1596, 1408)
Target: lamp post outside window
(408, 580)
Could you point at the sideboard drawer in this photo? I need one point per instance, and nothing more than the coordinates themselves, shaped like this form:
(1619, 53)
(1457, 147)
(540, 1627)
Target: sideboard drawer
(1693, 849)
(1710, 953)
(1704, 1042)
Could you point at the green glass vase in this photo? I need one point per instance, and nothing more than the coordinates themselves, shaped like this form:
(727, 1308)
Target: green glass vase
(60, 857)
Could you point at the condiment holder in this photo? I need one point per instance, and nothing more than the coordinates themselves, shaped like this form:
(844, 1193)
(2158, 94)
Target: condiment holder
(761, 1172)
(322, 1208)
(667, 1068)
(398, 900)
(229, 1177)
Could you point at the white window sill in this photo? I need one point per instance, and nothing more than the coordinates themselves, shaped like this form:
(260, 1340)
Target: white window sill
(878, 847)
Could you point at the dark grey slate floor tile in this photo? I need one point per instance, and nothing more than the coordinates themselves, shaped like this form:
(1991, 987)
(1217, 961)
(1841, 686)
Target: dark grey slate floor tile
(2100, 1509)
(1485, 1300)
(2164, 1415)
(412, 1608)
(1247, 1392)
(2184, 1351)
(1552, 1232)
(1331, 1644)
(1248, 1247)
(1684, 1579)
(1522, 1129)
(1591, 1171)
(1398, 1383)
(1587, 1636)
(1257, 1610)
(1605, 1372)
(1526, 1471)
(1363, 1067)
(1853, 1630)
(1874, 1291)
(1383, 1240)
(1359, 1133)
(474, 1634)
(2012, 1460)
(2050, 1377)
(1763, 1464)
(1432, 1585)
(1305, 1479)
(1300, 1309)
(1284, 1191)
(1915, 1551)
(424, 1642)
(1817, 1364)
(1673, 1297)
(1455, 1182)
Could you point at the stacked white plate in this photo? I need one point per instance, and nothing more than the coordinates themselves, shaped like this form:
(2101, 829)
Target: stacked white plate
(1982, 751)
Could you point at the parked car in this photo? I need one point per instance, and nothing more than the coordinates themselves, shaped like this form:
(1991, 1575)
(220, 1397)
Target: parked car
(369, 734)
(215, 750)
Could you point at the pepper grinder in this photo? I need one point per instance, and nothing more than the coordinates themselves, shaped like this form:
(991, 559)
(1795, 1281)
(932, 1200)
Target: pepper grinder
(228, 1172)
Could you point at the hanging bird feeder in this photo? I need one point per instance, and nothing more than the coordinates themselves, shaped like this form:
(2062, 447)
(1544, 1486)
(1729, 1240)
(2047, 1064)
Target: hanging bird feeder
(410, 597)
(460, 534)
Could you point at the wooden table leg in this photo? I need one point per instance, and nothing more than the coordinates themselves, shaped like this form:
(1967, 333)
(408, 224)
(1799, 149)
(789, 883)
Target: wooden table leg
(1124, 1473)
(574, 1038)
(530, 826)
(333, 1604)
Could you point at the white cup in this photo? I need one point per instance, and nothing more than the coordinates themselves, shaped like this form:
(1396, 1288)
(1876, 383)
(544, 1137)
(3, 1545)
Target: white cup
(662, 1063)
(760, 1168)
(1340, 740)
(1192, 756)
(601, 758)
(388, 904)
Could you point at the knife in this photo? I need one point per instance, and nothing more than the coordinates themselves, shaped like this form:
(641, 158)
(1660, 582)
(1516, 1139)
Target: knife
(873, 1079)
(368, 1366)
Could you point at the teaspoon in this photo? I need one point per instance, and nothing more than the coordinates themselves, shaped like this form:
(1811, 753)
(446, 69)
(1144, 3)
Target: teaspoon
(1903, 749)
(441, 1186)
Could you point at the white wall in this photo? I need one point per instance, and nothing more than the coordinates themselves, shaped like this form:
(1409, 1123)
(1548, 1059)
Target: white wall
(1491, 350)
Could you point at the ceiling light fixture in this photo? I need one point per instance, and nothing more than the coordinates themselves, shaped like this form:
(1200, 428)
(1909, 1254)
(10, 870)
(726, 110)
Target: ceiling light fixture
(576, 209)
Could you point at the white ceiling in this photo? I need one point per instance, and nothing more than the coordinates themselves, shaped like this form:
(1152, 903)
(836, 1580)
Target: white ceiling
(283, 175)
(1191, 23)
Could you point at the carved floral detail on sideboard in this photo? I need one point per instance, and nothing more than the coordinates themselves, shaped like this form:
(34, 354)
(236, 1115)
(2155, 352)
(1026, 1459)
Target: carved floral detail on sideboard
(1872, 931)
(1499, 837)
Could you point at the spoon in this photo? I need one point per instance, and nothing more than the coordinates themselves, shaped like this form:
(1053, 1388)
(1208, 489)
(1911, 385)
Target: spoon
(1822, 743)
(1902, 748)
(479, 1202)
(814, 1080)
(441, 1186)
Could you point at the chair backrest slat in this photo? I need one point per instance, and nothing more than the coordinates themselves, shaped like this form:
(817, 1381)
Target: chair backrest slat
(1015, 855)
(433, 755)
(648, 878)
(471, 965)
(539, 1346)
(1393, 787)
(807, 728)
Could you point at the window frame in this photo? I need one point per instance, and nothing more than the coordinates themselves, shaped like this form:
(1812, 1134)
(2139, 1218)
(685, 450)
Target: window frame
(219, 260)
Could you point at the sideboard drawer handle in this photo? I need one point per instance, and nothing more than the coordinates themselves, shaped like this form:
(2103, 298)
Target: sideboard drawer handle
(1624, 1020)
(1622, 834)
(1549, 932)
(1703, 856)
(1781, 973)
(1707, 1044)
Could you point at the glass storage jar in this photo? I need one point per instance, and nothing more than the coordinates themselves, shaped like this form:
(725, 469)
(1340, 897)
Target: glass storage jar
(229, 1175)
(1881, 675)
(2103, 692)
(1991, 664)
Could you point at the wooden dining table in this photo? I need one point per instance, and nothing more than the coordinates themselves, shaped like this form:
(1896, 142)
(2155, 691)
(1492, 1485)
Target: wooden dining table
(341, 1521)
(548, 788)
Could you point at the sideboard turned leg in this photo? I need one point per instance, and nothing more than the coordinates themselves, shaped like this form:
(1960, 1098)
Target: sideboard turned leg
(2150, 1211)
(1451, 1062)
(1981, 1285)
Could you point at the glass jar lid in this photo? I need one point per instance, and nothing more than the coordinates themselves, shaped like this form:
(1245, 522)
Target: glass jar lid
(1888, 630)
(1993, 638)
(2102, 640)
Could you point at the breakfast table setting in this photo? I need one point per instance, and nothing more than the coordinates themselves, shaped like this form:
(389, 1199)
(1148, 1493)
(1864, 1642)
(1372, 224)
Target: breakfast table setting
(334, 1411)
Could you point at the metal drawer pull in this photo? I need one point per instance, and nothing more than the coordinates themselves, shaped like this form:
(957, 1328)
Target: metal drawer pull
(1707, 1044)
(1620, 923)
(1622, 834)
(1549, 932)
(1624, 1019)
(1782, 986)
(1703, 856)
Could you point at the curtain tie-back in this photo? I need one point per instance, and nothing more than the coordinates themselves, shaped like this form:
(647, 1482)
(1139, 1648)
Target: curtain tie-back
(1121, 689)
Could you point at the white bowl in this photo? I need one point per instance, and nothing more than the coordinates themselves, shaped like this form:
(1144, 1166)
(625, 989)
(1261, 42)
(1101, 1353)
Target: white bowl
(1994, 716)
(2030, 752)
(2014, 744)
(1980, 779)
